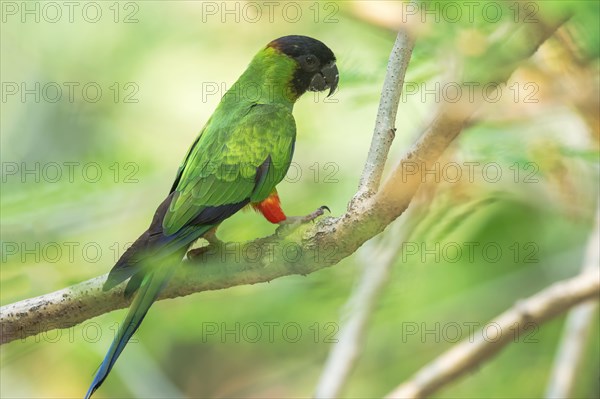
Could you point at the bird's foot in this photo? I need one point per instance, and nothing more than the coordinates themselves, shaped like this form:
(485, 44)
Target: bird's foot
(197, 253)
(307, 218)
(213, 240)
(214, 245)
(291, 222)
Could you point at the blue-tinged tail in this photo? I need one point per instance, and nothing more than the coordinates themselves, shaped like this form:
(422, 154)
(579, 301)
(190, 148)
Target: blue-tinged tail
(149, 264)
(151, 285)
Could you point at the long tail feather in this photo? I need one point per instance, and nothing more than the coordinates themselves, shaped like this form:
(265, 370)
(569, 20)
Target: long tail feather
(151, 286)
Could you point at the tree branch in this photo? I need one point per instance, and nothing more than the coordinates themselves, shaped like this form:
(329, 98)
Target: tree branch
(526, 314)
(344, 354)
(577, 329)
(385, 123)
(319, 246)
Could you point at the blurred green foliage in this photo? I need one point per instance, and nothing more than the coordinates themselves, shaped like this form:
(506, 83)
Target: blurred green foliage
(157, 75)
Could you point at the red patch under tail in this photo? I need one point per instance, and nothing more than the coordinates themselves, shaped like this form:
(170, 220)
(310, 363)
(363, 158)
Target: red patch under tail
(271, 208)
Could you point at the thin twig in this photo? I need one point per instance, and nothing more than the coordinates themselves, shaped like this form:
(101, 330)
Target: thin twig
(385, 129)
(577, 329)
(526, 314)
(344, 354)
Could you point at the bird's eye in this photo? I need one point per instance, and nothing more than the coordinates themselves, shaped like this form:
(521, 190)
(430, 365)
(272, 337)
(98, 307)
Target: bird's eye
(310, 61)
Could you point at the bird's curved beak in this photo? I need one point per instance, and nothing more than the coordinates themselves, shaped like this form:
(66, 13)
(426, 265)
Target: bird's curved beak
(327, 78)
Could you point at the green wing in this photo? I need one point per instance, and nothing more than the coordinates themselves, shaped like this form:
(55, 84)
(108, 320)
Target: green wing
(233, 162)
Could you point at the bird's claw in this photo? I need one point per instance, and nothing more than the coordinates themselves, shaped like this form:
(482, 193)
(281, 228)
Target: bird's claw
(307, 218)
(196, 253)
(294, 221)
(214, 245)
(319, 212)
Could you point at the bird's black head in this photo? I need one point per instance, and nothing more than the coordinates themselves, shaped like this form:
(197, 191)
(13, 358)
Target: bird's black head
(316, 69)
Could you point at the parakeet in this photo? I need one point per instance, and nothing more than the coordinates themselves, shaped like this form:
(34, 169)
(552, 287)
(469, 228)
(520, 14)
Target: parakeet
(241, 154)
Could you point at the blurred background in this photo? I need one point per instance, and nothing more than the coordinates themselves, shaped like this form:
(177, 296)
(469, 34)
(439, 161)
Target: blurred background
(101, 100)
